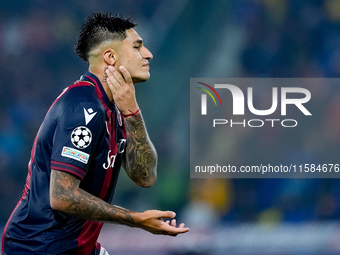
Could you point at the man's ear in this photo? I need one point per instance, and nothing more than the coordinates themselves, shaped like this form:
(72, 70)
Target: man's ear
(109, 56)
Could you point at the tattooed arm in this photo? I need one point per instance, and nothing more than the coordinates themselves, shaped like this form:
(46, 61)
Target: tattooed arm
(66, 196)
(141, 157)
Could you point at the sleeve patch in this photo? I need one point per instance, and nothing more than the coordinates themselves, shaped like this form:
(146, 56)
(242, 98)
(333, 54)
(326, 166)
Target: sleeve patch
(81, 137)
(75, 154)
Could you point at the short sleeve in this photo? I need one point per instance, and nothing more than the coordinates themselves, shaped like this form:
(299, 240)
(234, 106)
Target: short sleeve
(78, 130)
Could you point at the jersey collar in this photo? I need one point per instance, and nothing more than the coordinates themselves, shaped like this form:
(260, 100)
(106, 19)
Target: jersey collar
(90, 77)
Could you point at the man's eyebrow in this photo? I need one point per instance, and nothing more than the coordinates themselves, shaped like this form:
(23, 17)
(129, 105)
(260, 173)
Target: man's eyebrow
(138, 41)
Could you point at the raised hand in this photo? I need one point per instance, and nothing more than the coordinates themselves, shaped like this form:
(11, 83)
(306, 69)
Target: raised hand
(152, 221)
(122, 89)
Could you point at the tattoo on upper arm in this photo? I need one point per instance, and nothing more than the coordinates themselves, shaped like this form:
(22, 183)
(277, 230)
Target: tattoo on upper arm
(75, 201)
(141, 156)
(62, 185)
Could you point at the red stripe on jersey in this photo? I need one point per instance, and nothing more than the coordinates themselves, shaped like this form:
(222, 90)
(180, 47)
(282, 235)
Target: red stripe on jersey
(68, 168)
(112, 152)
(100, 96)
(110, 121)
(88, 236)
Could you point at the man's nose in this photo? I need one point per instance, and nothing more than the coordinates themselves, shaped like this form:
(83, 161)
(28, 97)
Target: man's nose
(147, 54)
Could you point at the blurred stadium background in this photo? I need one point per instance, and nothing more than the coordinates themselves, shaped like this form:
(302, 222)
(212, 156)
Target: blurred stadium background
(188, 38)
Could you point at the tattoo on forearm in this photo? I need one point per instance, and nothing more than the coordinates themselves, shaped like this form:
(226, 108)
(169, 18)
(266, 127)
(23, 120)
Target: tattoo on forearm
(141, 157)
(65, 189)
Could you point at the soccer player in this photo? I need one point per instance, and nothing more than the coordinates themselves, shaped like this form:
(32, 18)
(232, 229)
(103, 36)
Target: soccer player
(91, 129)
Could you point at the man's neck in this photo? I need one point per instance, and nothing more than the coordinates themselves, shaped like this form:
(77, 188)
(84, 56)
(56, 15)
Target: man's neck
(100, 73)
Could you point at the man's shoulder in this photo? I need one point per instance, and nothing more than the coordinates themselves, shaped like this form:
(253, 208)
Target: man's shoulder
(78, 98)
(79, 92)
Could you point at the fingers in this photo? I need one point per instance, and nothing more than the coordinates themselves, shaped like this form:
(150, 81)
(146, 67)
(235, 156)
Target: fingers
(111, 80)
(118, 78)
(122, 89)
(126, 75)
(156, 225)
(173, 230)
(165, 214)
(181, 225)
(115, 79)
(173, 223)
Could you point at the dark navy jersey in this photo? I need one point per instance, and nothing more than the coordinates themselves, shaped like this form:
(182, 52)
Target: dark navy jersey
(82, 134)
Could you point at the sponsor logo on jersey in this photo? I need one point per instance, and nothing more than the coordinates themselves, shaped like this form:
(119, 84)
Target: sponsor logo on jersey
(89, 114)
(112, 158)
(75, 154)
(110, 161)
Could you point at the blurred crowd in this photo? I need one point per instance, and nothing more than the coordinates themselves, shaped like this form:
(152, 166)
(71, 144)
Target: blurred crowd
(260, 38)
(280, 39)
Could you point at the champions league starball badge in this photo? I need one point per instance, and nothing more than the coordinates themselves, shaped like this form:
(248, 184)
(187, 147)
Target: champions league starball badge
(81, 137)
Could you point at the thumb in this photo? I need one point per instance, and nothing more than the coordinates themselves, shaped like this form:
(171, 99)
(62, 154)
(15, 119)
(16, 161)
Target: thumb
(166, 214)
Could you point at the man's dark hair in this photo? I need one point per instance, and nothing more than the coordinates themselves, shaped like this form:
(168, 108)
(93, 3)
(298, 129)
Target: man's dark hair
(98, 28)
